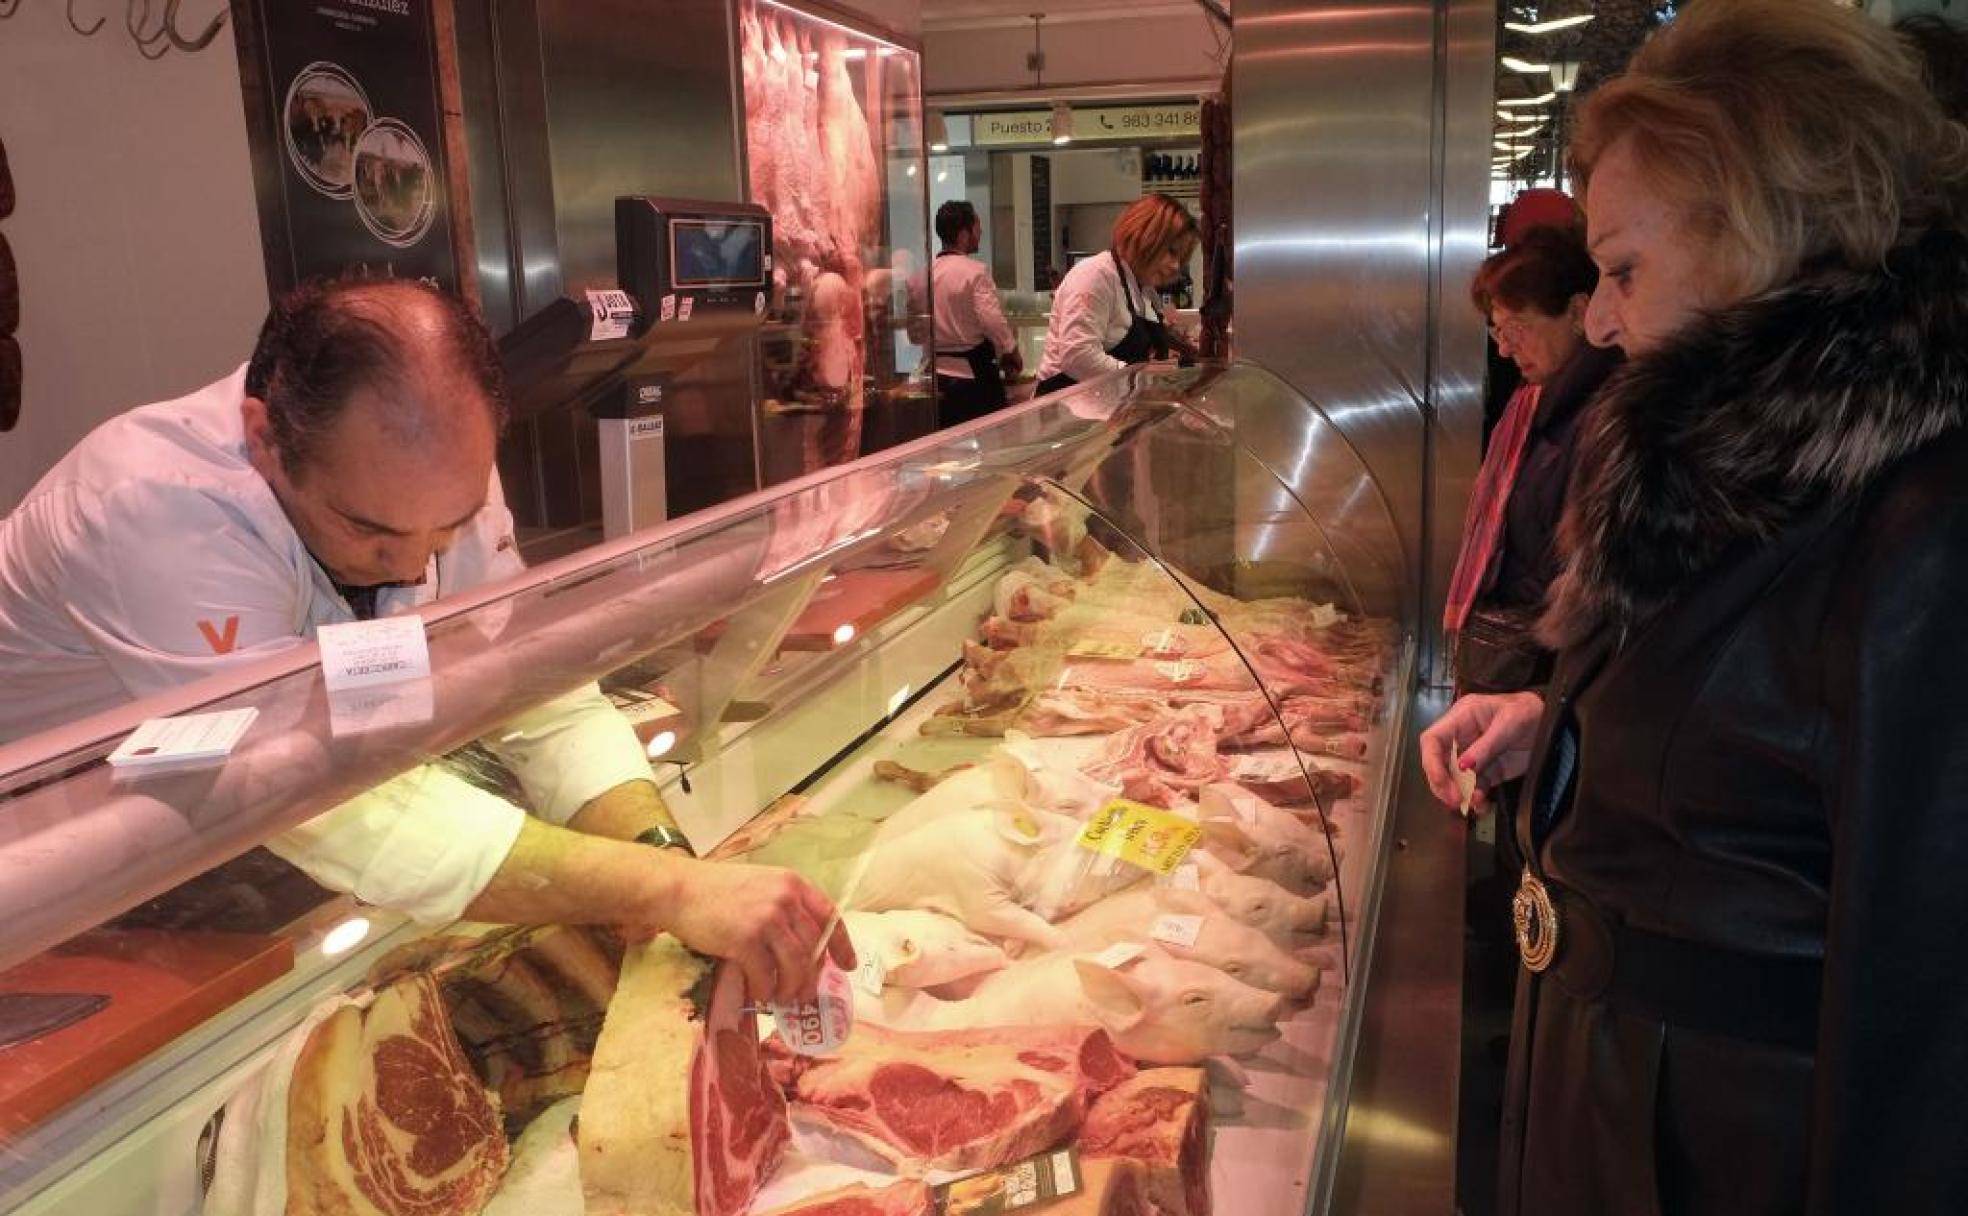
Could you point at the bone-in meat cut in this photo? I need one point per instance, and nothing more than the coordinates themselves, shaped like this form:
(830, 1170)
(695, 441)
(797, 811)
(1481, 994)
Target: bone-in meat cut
(955, 1100)
(385, 1117)
(1159, 1119)
(910, 1197)
(680, 1117)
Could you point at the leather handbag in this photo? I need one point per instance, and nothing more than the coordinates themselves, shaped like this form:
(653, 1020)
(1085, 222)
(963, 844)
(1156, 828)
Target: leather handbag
(1497, 651)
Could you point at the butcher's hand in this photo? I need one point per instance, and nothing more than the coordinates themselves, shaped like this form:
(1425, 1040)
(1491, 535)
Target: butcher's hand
(1491, 737)
(768, 921)
(1013, 363)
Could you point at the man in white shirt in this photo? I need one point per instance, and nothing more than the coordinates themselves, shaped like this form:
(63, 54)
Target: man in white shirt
(347, 472)
(974, 345)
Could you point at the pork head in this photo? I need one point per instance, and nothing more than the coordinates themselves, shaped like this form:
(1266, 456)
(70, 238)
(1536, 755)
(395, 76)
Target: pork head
(1261, 903)
(1247, 847)
(1165, 1010)
(921, 949)
(1246, 954)
(1020, 774)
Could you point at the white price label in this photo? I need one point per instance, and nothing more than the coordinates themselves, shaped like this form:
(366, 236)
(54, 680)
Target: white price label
(1177, 929)
(821, 1025)
(684, 307)
(1161, 642)
(871, 974)
(668, 311)
(1186, 878)
(356, 711)
(359, 654)
(183, 741)
(1263, 770)
(1118, 955)
(758, 304)
(611, 312)
(1183, 671)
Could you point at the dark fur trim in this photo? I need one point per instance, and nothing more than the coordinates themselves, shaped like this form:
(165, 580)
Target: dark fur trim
(1732, 429)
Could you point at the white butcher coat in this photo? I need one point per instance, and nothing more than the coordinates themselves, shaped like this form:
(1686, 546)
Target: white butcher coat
(1090, 314)
(966, 312)
(154, 555)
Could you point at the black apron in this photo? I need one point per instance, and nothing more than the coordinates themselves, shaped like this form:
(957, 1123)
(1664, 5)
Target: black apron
(1144, 339)
(964, 400)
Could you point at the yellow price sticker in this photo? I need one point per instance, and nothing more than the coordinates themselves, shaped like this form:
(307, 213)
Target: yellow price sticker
(1141, 835)
(1093, 649)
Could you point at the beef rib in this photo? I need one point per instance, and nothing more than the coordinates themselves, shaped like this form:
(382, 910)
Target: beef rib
(1159, 1119)
(679, 1117)
(909, 1197)
(384, 1115)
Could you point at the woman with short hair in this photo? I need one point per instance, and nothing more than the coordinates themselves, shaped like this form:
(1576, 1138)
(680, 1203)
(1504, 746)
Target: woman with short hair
(1534, 297)
(1745, 823)
(1107, 312)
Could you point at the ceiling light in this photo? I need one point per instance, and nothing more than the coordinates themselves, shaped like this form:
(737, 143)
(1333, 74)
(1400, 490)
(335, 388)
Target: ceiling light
(1062, 123)
(346, 936)
(1524, 65)
(1548, 27)
(1526, 101)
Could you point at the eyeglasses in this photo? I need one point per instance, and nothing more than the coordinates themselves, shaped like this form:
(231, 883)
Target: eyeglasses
(1510, 332)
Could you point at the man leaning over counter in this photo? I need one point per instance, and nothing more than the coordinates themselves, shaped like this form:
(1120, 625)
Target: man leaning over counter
(346, 472)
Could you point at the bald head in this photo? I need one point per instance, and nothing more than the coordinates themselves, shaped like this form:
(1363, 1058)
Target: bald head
(411, 361)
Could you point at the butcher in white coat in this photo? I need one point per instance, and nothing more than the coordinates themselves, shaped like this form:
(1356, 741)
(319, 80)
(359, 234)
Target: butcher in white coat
(975, 349)
(346, 472)
(1107, 312)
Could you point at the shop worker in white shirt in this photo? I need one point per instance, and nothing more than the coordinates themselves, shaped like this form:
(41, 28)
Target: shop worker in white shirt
(975, 350)
(347, 472)
(1107, 313)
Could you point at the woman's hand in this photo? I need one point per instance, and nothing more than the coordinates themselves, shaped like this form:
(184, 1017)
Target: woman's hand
(1489, 736)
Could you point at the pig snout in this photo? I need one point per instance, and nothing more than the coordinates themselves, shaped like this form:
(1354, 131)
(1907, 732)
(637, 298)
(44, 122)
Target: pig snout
(1254, 1018)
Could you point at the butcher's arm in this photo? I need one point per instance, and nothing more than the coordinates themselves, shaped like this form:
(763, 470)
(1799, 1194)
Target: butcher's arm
(1082, 309)
(990, 314)
(582, 766)
(768, 921)
(1891, 1108)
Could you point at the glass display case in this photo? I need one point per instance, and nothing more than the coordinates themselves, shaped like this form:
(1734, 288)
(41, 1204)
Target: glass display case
(834, 150)
(1085, 714)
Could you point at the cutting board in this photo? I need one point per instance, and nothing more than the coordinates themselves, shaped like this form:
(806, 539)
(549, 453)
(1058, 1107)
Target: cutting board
(860, 599)
(160, 985)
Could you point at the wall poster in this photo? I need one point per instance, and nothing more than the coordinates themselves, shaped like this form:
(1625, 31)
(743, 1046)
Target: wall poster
(344, 111)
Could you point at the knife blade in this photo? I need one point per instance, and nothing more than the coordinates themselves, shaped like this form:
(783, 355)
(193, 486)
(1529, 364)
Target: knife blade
(27, 1016)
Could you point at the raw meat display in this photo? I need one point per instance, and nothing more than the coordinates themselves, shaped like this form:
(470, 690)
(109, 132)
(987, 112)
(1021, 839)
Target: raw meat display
(1157, 1008)
(1256, 838)
(1232, 947)
(1159, 1119)
(679, 1117)
(1259, 902)
(1164, 761)
(385, 1117)
(955, 1100)
(920, 949)
(909, 1197)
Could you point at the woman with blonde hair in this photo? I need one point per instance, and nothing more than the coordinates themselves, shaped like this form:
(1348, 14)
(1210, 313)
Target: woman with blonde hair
(1744, 824)
(1107, 312)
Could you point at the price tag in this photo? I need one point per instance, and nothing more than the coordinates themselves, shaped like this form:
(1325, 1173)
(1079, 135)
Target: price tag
(1186, 877)
(668, 310)
(1094, 649)
(685, 306)
(758, 304)
(1140, 835)
(611, 313)
(1118, 955)
(359, 654)
(821, 1025)
(871, 973)
(1035, 1182)
(1163, 642)
(185, 741)
(1262, 770)
(356, 711)
(1182, 671)
(1176, 929)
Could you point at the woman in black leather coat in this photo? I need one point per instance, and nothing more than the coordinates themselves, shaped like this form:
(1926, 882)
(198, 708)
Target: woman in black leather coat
(1747, 810)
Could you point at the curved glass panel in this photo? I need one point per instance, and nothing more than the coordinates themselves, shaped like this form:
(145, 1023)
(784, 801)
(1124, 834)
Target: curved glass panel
(1000, 678)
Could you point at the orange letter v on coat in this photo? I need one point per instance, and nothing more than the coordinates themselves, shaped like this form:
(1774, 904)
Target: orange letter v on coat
(221, 643)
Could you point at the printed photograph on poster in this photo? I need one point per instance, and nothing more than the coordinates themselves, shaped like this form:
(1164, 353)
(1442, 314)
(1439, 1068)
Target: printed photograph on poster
(395, 188)
(327, 113)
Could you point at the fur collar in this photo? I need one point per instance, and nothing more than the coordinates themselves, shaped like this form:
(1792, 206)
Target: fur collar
(1752, 416)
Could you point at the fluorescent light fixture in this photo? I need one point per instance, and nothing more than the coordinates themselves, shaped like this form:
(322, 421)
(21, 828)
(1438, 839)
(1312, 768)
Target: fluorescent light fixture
(1062, 123)
(938, 131)
(1509, 147)
(1539, 100)
(1548, 27)
(660, 745)
(1524, 65)
(346, 936)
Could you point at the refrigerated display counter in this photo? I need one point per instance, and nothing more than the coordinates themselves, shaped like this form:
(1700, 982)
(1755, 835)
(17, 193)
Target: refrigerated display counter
(1089, 713)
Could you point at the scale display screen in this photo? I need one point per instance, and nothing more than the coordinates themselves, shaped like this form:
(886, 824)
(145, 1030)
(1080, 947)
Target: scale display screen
(709, 253)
